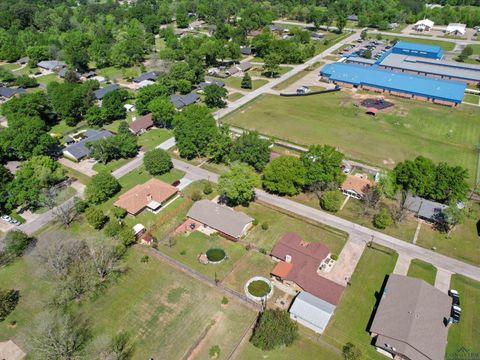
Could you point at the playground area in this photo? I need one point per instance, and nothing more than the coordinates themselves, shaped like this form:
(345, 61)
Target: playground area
(378, 103)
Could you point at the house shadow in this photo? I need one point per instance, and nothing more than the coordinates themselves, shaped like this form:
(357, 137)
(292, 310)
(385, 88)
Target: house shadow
(378, 297)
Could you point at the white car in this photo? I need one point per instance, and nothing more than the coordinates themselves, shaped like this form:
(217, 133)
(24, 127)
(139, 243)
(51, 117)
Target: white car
(6, 218)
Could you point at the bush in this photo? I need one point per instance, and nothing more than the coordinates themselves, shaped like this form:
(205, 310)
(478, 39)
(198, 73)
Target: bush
(8, 302)
(224, 300)
(262, 251)
(144, 259)
(331, 200)
(157, 162)
(196, 196)
(334, 257)
(286, 330)
(95, 217)
(207, 188)
(80, 205)
(102, 187)
(351, 352)
(265, 225)
(214, 351)
(119, 213)
(16, 242)
(127, 237)
(255, 222)
(113, 229)
(383, 219)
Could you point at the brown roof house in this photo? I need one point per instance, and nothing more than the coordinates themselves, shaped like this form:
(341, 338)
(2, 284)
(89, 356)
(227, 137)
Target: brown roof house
(222, 219)
(411, 320)
(150, 195)
(356, 185)
(298, 264)
(142, 124)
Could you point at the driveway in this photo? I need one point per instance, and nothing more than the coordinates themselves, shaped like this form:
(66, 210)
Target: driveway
(442, 280)
(85, 166)
(402, 265)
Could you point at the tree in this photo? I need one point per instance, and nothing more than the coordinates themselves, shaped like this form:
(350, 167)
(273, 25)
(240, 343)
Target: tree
(331, 200)
(251, 149)
(383, 219)
(8, 302)
(467, 51)
(272, 62)
(163, 111)
(59, 336)
(119, 348)
(149, 93)
(194, 129)
(75, 50)
(157, 162)
(237, 185)
(16, 242)
(274, 329)
(123, 145)
(6, 178)
(65, 213)
(25, 81)
(364, 35)
(367, 54)
(341, 22)
(104, 259)
(215, 95)
(351, 352)
(220, 146)
(95, 217)
(284, 175)
(246, 81)
(181, 15)
(102, 187)
(323, 166)
(112, 104)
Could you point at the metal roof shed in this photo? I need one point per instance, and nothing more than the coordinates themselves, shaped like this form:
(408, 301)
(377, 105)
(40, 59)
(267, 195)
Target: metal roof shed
(312, 312)
(416, 49)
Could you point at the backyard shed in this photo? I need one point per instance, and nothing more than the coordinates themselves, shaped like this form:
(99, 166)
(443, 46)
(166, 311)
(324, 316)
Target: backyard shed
(311, 311)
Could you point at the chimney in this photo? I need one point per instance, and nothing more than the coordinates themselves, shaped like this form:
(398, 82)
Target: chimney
(149, 197)
(288, 258)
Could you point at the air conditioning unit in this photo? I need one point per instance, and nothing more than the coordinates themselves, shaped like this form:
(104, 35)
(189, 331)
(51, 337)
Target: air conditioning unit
(288, 258)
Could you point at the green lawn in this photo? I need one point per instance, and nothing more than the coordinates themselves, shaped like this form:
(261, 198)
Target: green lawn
(422, 270)
(114, 73)
(111, 165)
(236, 82)
(62, 128)
(234, 96)
(293, 79)
(153, 138)
(409, 129)
(471, 98)
(63, 195)
(352, 315)
(10, 66)
(281, 223)
(47, 79)
(446, 45)
(467, 332)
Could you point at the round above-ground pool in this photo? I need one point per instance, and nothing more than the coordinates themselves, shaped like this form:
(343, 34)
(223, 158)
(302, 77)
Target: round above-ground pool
(215, 255)
(259, 288)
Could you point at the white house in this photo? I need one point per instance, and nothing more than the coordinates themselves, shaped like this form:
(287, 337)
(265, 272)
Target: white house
(423, 25)
(456, 29)
(311, 311)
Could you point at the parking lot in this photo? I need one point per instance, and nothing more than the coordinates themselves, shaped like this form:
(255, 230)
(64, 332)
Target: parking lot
(376, 47)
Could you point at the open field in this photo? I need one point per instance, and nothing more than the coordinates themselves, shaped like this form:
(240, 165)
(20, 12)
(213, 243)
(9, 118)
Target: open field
(410, 129)
(293, 79)
(446, 45)
(47, 79)
(234, 96)
(467, 332)
(422, 270)
(280, 223)
(10, 66)
(471, 98)
(154, 137)
(236, 82)
(351, 319)
(114, 73)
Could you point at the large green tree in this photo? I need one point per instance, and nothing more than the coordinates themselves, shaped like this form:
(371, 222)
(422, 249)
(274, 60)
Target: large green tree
(237, 185)
(215, 96)
(157, 162)
(285, 175)
(102, 187)
(163, 111)
(274, 329)
(251, 149)
(323, 166)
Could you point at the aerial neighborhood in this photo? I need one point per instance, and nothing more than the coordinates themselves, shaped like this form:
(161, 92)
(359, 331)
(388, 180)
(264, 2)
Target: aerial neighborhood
(190, 179)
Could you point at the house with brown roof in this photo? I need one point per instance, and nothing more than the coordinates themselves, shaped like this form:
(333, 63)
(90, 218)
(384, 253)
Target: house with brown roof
(142, 124)
(356, 185)
(411, 320)
(150, 195)
(298, 264)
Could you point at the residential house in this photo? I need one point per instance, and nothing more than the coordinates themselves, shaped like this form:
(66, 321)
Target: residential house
(23, 60)
(101, 92)
(151, 75)
(227, 222)
(180, 101)
(424, 209)
(298, 267)
(352, 17)
(142, 124)
(241, 67)
(356, 185)
(129, 107)
(77, 148)
(151, 195)
(311, 311)
(63, 72)
(7, 93)
(316, 36)
(246, 50)
(51, 65)
(456, 29)
(202, 85)
(411, 320)
(279, 29)
(423, 25)
(143, 83)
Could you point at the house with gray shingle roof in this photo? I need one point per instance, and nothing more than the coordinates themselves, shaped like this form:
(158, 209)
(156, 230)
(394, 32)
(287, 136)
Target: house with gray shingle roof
(51, 65)
(180, 101)
(7, 93)
(78, 150)
(425, 209)
(100, 93)
(151, 75)
(203, 84)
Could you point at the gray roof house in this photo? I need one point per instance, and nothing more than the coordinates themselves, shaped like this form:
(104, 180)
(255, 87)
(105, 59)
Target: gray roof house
(7, 93)
(64, 71)
(51, 65)
(244, 66)
(411, 319)
(245, 50)
(352, 17)
(79, 150)
(226, 221)
(425, 209)
(311, 311)
(180, 101)
(100, 93)
(203, 84)
(151, 75)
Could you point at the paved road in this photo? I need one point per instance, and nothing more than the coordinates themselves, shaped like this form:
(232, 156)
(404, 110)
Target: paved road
(299, 68)
(400, 35)
(354, 230)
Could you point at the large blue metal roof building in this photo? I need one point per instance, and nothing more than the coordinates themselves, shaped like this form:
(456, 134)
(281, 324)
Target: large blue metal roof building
(416, 49)
(429, 87)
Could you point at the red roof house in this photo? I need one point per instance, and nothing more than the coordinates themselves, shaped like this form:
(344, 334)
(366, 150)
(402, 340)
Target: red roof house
(298, 266)
(142, 124)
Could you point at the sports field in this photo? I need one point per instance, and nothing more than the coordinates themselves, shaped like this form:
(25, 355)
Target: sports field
(409, 129)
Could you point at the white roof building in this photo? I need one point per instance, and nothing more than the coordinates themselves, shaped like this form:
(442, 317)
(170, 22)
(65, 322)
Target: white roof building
(424, 24)
(456, 29)
(311, 311)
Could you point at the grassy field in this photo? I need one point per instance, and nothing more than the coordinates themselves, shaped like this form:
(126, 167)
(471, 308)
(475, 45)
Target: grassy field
(471, 98)
(352, 315)
(47, 79)
(293, 79)
(62, 128)
(422, 270)
(446, 45)
(280, 224)
(10, 66)
(111, 165)
(410, 129)
(467, 332)
(114, 73)
(234, 96)
(154, 137)
(236, 83)
(62, 195)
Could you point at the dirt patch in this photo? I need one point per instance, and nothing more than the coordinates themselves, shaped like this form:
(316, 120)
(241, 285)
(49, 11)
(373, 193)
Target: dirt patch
(202, 340)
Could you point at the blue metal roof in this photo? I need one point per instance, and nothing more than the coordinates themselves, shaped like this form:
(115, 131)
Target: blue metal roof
(430, 87)
(418, 49)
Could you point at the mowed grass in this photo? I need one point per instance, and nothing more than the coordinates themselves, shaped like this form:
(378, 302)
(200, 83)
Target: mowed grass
(467, 332)
(446, 45)
(351, 319)
(153, 138)
(409, 129)
(47, 79)
(236, 83)
(422, 270)
(280, 223)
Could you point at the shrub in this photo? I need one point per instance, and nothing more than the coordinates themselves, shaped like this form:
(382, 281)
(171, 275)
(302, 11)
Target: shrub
(334, 257)
(331, 200)
(16, 242)
(113, 229)
(157, 162)
(144, 259)
(383, 219)
(196, 196)
(351, 352)
(95, 217)
(262, 251)
(255, 222)
(8, 302)
(102, 187)
(207, 188)
(119, 213)
(265, 225)
(80, 205)
(224, 300)
(214, 351)
(286, 330)
(127, 237)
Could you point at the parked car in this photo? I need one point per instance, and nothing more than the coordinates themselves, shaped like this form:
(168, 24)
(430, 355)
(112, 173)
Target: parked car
(455, 297)
(456, 314)
(6, 218)
(16, 222)
(176, 183)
